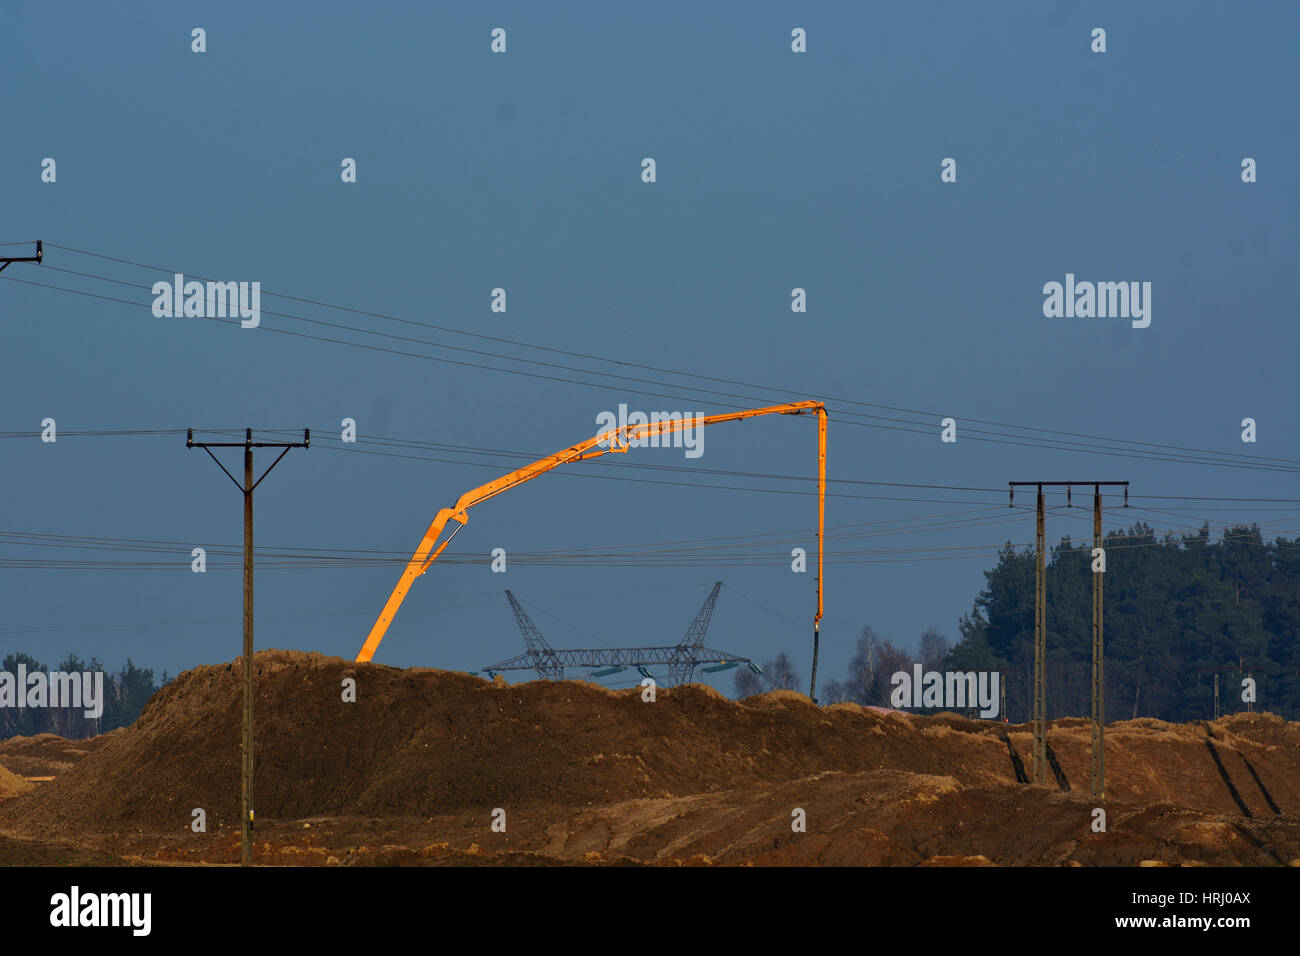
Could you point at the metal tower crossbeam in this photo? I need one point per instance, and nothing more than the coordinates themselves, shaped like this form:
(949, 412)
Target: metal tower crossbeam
(625, 657)
(681, 659)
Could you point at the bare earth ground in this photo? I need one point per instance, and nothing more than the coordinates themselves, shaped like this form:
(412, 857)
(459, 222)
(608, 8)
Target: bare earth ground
(411, 773)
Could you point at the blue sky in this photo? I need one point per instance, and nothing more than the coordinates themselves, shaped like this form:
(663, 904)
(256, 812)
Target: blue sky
(521, 170)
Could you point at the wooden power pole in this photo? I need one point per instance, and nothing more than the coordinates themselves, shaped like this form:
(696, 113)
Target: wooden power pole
(1040, 649)
(1097, 765)
(1098, 760)
(246, 740)
(1241, 667)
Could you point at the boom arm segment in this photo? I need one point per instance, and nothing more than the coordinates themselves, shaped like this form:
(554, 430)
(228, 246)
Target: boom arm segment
(821, 534)
(616, 440)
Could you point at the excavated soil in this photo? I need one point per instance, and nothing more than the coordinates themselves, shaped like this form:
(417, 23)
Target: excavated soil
(412, 772)
(48, 755)
(11, 785)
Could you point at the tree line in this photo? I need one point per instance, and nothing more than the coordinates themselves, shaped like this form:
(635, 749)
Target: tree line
(125, 693)
(1174, 607)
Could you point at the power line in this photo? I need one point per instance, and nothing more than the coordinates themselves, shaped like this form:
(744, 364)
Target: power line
(324, 438)
(662, 370)
(1196, 456)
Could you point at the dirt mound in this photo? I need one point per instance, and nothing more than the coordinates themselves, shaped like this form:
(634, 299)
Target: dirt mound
(423, 756)
(48, 755)
(11, 785)
(1268, 729)
(421, 742)
(776, 698)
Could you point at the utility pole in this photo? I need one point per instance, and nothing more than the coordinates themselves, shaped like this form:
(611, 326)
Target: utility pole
(1040, 649)
(1241, 667)
(1097, 766)
(246, 742)
(10, 260)
(1098, 760)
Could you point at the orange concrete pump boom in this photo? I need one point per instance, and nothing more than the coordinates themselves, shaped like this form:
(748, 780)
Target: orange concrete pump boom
(618, 440)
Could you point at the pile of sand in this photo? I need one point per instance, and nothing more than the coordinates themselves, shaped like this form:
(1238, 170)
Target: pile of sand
(48, 755)
(421, 744)
(11, 785)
